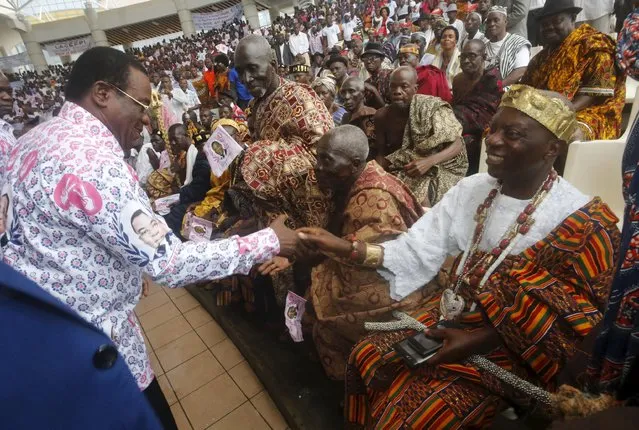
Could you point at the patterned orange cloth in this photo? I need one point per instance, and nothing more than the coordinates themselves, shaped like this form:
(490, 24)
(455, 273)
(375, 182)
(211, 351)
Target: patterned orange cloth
(222, 82)
(202, 90)
(278, 166)
(209, 77)
(344, 296)
(462, 9)
(584, 64)
(542, 303)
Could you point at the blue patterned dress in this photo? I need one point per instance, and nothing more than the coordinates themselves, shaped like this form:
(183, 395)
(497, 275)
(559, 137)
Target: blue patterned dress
(615, 366)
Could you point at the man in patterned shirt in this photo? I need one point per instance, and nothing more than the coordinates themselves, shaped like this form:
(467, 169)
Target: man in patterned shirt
(7, 141)
(74, 199)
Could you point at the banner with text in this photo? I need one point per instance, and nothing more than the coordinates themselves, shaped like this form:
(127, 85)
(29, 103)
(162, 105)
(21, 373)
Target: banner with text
(12, 61)
(215, 20)
(68, 47)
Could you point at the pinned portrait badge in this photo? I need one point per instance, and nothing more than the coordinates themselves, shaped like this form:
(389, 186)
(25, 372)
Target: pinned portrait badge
(293, 312)
(197, 229)
(220, 150)
(162, 206)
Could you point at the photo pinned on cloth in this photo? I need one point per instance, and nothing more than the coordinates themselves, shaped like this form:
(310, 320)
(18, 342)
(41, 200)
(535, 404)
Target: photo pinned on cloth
(220, 150)
(197, 229)
(6, 214)
(293, 313)
(145, 231)
(162, 206)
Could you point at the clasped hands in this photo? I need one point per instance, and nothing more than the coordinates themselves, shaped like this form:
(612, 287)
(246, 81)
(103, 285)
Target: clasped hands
(305, 243)
(458, 344)
(418, 167)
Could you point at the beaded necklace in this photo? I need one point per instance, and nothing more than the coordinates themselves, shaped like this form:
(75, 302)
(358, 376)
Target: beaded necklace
(476, 275)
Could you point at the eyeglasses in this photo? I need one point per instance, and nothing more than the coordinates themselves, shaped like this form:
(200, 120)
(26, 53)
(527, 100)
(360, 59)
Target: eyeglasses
(146, 109)
(469, 55)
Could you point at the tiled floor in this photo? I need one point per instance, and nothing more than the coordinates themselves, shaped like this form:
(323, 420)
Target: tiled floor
(205, 378)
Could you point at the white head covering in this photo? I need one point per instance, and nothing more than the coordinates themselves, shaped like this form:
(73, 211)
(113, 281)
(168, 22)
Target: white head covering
(327, 82)
(499, 9)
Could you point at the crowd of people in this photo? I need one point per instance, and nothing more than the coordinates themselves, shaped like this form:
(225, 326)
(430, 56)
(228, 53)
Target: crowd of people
(359, 128)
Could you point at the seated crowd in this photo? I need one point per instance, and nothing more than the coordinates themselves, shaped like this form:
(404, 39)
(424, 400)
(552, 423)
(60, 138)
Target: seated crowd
(371, 149)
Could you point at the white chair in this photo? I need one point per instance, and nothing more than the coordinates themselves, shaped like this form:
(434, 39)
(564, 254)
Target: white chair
(535, 50)
(631, 89)
(594, 167)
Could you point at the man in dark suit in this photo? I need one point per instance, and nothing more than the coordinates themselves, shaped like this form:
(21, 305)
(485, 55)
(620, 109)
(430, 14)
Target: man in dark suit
(283, 54)
(58, 371)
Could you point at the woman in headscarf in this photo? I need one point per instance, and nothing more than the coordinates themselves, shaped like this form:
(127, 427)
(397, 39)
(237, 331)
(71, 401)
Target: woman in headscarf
(327, 90)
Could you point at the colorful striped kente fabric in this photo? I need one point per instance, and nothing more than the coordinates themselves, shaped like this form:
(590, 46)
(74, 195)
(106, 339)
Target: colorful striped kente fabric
(541, 302)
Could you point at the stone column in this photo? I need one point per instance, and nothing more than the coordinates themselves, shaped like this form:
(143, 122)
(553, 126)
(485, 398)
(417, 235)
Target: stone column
(35, 52)
(98, 35)
(250, 12)
(186, 20)
(274, 12)
(33, 47)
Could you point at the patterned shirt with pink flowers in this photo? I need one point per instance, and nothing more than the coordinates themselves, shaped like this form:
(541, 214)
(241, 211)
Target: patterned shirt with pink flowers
(82, 228)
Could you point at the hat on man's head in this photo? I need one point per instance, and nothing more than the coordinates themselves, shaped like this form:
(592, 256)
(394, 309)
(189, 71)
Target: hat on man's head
(373, 48)
(422, 17)
(452, 8)
(299, 68)
(499, 9)
(550, 112)
(555, 7)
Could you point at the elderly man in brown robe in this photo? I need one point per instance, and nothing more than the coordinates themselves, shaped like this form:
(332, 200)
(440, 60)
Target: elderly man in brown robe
(286, 120)
(372, 206)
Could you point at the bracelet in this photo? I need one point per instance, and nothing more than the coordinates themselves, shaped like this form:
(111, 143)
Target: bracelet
(374, 256)
(354, 251)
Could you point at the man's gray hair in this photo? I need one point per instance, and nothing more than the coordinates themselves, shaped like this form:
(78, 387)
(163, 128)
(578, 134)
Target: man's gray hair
(349, 140)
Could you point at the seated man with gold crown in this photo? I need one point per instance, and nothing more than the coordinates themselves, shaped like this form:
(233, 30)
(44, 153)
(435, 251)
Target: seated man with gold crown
(534, 261)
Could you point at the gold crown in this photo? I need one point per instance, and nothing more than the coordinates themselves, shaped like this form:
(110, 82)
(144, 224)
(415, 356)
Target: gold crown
(409, 48)
(550, 112)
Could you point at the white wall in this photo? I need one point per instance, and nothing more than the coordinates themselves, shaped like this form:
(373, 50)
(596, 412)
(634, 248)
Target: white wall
(154, 40)
(60, 29)
(112, 18)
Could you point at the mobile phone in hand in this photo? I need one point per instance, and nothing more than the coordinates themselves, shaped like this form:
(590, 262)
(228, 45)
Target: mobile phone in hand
(417, 349)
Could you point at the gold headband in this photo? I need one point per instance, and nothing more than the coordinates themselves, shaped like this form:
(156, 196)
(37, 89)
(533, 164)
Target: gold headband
(225, 121)
(409, 48)
(552, 113)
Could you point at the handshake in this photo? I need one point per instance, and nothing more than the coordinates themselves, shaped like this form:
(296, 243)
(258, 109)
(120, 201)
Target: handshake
(303, 244)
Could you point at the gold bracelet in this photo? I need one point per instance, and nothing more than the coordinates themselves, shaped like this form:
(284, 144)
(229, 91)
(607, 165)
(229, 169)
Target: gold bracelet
(374, 256)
